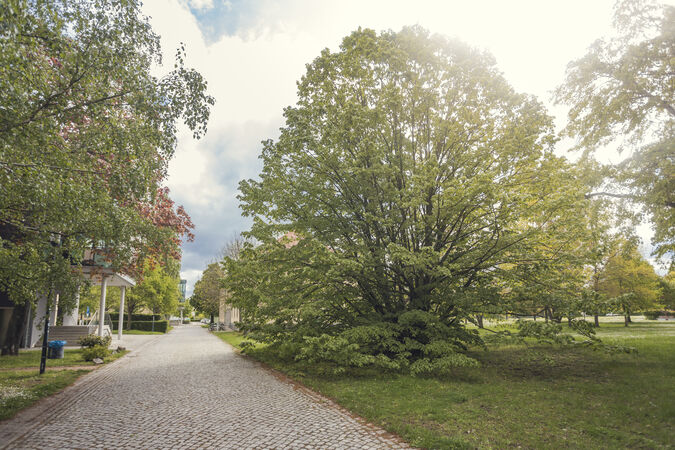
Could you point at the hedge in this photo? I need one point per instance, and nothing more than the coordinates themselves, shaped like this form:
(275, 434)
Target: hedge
(653, 315)
(145, 325)
(139, 317)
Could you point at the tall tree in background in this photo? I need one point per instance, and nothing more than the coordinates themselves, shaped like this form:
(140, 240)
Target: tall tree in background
(86, 134)
(607, 233)
(208, 290)
(622, 92)
(408, 172)
(629, 282)
(667, 285)
(158, 291)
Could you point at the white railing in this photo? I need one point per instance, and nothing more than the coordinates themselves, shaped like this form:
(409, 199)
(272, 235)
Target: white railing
(94, 322)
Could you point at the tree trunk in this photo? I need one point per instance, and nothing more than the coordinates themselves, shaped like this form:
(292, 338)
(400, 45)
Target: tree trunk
(569, 321)
(629, 319)
(596, 319)
(211, 317)
(479, 319)
(626, 320)
(18, 324)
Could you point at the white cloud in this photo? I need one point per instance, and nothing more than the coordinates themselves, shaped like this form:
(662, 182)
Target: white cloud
(201, 4)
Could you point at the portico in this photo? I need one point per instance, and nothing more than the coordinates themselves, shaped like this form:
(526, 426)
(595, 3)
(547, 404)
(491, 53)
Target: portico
(71, 329)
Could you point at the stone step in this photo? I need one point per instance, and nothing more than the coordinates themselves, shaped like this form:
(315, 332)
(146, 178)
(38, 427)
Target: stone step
(70, 327)
(70, 334)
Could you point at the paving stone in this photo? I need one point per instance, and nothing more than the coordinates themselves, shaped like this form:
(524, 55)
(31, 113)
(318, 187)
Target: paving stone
(188, 389)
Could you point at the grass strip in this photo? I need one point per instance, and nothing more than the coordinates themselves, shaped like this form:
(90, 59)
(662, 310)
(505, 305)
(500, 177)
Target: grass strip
(21, 385)
(21, 389)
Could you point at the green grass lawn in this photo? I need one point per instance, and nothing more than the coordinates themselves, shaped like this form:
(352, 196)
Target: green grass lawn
(136, 332)
(522, 396)
(232, 338)
(31, 358)
(22, 386)
(20, 389)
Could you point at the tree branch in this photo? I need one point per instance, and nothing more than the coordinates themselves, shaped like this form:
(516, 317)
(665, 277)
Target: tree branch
(609, 194)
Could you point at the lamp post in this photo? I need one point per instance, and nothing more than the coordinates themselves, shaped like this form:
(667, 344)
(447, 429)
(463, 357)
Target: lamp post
(45, 339)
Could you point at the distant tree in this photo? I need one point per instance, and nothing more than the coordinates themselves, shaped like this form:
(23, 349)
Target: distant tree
(630, 283)
(667, 284)
(605, 241)
(132, 304)
(157, 291)
(233, 247)
(165, 293)
(91, 298)
(622, 91)
(187, 308)
(208, 290)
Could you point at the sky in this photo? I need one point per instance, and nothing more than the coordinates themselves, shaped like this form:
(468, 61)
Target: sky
(253, 52)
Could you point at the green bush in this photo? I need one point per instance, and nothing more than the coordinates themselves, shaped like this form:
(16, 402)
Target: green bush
(145, 325)
(418, 342)
(141, 317)
(97, 351)
(653, 315)
(94, 340)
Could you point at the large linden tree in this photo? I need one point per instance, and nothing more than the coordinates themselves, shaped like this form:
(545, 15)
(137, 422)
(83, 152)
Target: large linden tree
(408, 177)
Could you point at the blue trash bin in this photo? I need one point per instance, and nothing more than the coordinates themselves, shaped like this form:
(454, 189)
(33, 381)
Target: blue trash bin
(56, 349)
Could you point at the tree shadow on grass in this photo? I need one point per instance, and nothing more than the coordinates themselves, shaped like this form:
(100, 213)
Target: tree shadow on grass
(547, 363)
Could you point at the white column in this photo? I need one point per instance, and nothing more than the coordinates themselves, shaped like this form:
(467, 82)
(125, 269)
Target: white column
(221, 307)
(101, 307)
(39, 320)
(53, 314)
(120, 323)
(228, 316)
(70, 319)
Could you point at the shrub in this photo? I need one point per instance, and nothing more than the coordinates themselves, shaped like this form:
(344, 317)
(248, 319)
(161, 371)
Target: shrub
(653, 315)
(419, 342)
(146, 325)
(94, 340)
(141, 317)
(97, 351)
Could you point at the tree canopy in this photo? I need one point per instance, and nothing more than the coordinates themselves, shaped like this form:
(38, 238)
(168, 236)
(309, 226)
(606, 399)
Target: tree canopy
(622, 92)
(208, 290)
(158, 292)
(408, 174)
(86, 133)
(629, 282)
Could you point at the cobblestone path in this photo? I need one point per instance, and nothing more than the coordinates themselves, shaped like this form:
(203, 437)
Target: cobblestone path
(188, 389)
